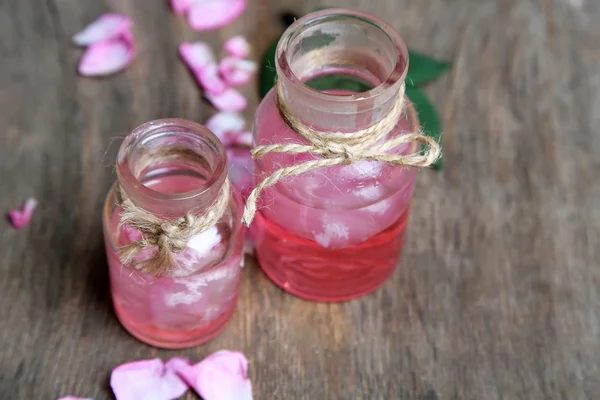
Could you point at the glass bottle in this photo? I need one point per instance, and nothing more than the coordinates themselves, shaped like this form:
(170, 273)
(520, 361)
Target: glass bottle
(193, 301)
(336, 233)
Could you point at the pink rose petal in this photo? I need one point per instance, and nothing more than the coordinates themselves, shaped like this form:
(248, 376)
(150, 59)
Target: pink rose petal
(200, 58)
(229, 100)
(205, 15)
(236, 139)
(237, 72)
(210, 80)
(240, 169)
(107, 26)
(176, 363)
(243, 139)
(148, 380)
(75, 398)
(21, 218)
(220, 376)
(181, 6)
(128, 38)
(223, 123)
(105, 58)
(237, 47)
(197, 55)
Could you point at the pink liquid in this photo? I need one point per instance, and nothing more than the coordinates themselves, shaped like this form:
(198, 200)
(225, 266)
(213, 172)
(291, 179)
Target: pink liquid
(191, 305)
(332, 234)
(306, 269)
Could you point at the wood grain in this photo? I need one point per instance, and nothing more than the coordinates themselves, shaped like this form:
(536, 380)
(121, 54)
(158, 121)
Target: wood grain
(497, 296)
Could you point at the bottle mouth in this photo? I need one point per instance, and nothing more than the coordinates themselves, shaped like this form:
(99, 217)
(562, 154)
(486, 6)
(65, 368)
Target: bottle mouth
(345, 41)
(171, 146)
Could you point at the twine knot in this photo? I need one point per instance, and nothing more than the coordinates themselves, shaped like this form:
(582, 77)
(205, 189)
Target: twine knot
(166, 237)
(341, 148)
(172, 232)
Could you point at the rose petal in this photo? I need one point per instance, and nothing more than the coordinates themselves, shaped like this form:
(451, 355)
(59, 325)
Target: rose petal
(240, 169)
(200, 58)
(128, 38)
(242, 139)
(237, 47)
(197, 55)
(220, 376)
(21, 218)
(237, 72)
(206, 15)
(229, 100)
(224, 122)
(181, 6)
(105, 58)
(107, 26)
(236, 139)
(147, 379)
(176, 363)
(210, 80)
(75, 398)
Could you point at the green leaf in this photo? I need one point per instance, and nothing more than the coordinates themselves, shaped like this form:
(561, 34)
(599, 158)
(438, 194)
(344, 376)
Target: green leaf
(423, 69)
(268, 73)
(430, 121)
(339, 82)
(266, 79)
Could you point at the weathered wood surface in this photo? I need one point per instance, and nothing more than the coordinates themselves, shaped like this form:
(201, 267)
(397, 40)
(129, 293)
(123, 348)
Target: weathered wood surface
(497, 296)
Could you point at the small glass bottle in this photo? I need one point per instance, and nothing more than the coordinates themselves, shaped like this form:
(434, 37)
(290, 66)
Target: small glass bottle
(171, 168)
(335, 233)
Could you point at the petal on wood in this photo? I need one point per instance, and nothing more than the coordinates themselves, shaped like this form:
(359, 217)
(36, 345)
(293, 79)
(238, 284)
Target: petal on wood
(206, 15)
(237, 47)
(75, 398)
(210, 80)
(242, 139)
(225, 122)
(229, 100)
(236, 72)
(106, 27)
(105, 58)
(220, 376)
(147, 379)
(197, 55)
(181, 6)
(20, 218)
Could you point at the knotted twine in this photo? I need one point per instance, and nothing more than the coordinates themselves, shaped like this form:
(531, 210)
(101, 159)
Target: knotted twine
(341, 148)
(167, 236)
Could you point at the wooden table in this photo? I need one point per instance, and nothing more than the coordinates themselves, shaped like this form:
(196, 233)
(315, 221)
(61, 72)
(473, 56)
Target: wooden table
(497, 295)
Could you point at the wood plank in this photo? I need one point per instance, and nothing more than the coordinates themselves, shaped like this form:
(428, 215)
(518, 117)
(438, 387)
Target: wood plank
(497, 293)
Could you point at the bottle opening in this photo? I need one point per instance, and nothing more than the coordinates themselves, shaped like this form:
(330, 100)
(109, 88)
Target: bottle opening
(171, 163)
(342, 52)
(340, 82)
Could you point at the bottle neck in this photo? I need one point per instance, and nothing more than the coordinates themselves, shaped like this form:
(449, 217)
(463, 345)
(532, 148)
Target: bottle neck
(170, 167)
(341, 43)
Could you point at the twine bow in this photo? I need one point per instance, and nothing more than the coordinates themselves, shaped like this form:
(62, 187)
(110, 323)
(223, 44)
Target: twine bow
(167, 236)
(341, 148)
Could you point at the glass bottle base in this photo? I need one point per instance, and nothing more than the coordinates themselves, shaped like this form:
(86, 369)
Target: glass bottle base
(305, 269)
(170, 339)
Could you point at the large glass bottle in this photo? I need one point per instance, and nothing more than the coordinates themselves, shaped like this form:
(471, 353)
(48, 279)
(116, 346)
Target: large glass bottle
(336, 233)
(170, 168)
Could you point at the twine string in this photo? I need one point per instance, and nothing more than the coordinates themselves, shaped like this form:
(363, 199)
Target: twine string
(341, 148)
(168, 237)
